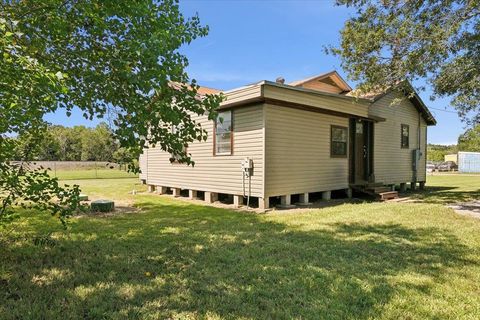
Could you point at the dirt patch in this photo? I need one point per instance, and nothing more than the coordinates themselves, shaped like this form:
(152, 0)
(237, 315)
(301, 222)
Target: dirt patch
(471, 208)
(121, 207)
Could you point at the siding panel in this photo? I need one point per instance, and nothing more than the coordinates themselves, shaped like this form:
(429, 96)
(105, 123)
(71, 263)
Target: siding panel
(298, 152)
(393, 164)
(213, 173)
(350, 106)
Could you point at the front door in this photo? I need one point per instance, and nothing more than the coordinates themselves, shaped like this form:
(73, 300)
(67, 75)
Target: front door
(361, 150)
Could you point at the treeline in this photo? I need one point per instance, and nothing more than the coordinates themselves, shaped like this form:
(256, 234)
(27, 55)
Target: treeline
(467, 141)
(78, 143)
(437, 152)
(470, 140)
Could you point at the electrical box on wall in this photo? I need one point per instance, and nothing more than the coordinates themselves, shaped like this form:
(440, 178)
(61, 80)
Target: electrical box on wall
(247, 164)
(416, 155)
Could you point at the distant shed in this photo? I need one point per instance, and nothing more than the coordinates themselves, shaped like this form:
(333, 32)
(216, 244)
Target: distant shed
(452, 157)
(469, 162)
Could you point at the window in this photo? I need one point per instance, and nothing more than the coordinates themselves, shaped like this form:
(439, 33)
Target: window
(405, 135)
(223, 138)
(338, 141)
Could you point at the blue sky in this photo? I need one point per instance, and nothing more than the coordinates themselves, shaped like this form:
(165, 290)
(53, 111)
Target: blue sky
(261, 40)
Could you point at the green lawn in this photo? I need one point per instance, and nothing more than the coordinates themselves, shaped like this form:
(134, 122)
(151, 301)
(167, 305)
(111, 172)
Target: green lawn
(177, 260)
(91, 174)
(450, 188)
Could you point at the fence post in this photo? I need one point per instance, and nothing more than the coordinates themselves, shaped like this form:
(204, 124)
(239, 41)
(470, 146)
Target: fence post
(96, 173)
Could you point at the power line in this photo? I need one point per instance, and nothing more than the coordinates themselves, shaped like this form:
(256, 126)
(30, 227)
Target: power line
(443, 110)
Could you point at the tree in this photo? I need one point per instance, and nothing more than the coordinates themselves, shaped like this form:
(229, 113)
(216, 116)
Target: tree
(45, 149)
(114, 59)
(437, 152)
(387, 42)
(98, 144)
(470, 140)
(123, 157)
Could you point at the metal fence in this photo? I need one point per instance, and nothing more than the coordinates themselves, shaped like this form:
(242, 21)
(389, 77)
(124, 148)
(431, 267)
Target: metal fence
(469, 162)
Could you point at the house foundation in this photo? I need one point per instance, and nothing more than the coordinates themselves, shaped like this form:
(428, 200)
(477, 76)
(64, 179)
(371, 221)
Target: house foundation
(263, 203)
(327, 195)
(161, 190)
(413, 185)
(286, 202)
(211, 197)
(237, 201)
(349, 193)
(192, 194)
(304, 199)
(176, 192)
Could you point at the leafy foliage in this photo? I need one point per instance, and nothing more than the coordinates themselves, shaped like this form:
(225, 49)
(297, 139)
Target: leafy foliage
(113, 59)
(437, 152)
(470, 140)
(35, 189)
(387, 42)
(78, 143)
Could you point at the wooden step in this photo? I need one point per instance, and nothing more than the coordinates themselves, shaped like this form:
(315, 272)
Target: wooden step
(380, 189)
(374, 184)
(388, 195)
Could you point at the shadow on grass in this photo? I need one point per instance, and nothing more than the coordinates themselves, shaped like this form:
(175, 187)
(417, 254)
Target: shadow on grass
(444, 195)
(180, 259)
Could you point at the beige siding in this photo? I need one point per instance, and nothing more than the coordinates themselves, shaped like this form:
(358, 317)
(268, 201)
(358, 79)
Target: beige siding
(142, 162)
(215, 173)
(241, 94)
(451, 157)
(327, 102)
(321, 86)
(298, 152)
(393, 164)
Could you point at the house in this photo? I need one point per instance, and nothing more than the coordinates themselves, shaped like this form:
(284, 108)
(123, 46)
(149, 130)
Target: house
(292, 140)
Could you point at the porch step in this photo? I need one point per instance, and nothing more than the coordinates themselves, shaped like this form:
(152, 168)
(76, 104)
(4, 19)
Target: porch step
(388, 195)
(374, 184)
(377, 190)
(381, 189)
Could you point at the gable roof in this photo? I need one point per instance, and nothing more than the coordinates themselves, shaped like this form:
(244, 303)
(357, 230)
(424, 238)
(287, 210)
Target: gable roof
(201, 91)
(206, 90)
(408, 90)
(331, 77)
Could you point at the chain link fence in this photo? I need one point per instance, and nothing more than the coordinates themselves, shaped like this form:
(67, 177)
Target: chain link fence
(71, 170)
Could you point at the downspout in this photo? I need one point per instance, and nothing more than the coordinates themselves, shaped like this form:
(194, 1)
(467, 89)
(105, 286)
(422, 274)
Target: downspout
(419, 130)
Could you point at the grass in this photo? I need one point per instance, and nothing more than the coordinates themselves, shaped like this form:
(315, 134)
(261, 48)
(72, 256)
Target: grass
(177, 260)
(114, 189)
(91, 174)
(450, 189)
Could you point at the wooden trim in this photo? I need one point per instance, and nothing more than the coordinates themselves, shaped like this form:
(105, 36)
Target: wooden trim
(352, 150)
(300, 106)
(264, 149)
(401, 136)
(304, 107)
(214, 153)
(232, 130)
(242, 103)
(371, 151)
(231, 136)
(332, 126)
